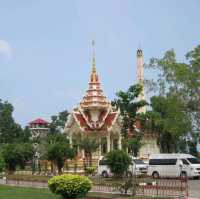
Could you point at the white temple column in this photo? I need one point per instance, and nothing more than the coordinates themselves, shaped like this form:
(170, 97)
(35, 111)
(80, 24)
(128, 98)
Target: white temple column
(120, 142)
(99, 147)
(108, 142)
(83, 153)
(70, 140)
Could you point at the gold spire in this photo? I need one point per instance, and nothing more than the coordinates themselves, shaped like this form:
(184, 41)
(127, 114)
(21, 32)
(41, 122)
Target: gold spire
(93, 58)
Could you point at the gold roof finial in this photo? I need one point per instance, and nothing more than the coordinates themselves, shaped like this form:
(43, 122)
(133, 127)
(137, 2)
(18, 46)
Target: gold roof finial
(93, 57)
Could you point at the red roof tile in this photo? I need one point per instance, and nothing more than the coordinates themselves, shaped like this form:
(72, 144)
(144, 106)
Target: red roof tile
(110, 119)
(39, 121)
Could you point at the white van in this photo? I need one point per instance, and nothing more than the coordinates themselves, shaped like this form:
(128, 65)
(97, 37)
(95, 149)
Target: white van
(138, 167)
(173, 165)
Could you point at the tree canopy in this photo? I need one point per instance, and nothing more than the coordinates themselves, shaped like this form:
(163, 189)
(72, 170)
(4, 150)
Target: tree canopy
(127, 102)
(175, 112)
(16, 154)
(58, 121)
(89, 144)
(118, 161)
(57, 150)
(10, 131)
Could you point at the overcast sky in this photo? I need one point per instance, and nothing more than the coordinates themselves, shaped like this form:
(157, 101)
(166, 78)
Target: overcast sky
(45, 47)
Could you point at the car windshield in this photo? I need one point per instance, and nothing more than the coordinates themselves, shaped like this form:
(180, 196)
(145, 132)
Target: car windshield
(138, 161)
(103, 162)
(193, 161)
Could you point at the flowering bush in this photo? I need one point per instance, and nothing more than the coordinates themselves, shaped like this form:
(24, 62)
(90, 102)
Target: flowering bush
(70, 186)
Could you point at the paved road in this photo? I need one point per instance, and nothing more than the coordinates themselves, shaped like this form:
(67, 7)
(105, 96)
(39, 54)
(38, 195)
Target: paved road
(194, 189)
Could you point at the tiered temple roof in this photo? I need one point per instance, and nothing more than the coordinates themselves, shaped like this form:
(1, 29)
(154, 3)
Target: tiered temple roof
(95, 112)
(94, 98)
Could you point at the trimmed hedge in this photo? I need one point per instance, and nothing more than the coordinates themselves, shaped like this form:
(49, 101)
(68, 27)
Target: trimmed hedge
(70, 186)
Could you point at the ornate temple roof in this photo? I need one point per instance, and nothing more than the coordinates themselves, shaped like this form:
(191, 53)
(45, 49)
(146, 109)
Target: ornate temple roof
(94, 112)
(94, 98)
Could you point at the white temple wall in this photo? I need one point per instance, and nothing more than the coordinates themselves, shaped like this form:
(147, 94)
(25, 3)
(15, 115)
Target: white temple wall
(149, 147)
(94, 115)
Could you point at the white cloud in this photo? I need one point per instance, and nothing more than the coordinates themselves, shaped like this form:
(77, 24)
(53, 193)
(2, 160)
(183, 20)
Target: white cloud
(5, 49)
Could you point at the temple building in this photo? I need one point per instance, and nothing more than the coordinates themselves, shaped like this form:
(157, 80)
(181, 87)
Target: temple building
(95, 115)
(38, 128)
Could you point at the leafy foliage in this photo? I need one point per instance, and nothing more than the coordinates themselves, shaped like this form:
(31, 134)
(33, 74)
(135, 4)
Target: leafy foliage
(10, 132)
(176, 110)
(134, 145)
(90, 170)
(58, 121)
(89, 144)
(16, 155)
(169, 120)
(128, 105)
(118, 161)
(58, 150)
(2, 164)
(70, 186)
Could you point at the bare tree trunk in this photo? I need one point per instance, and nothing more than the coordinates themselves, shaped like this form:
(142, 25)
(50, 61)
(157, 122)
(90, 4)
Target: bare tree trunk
(51, 167)
(87, 159)
(59, 170)
(45, 166)
(90, 159)
(54, 167)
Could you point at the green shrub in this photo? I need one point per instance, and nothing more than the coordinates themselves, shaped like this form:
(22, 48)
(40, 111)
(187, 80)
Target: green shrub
(70, 186)
(90, 170)
(118, 161)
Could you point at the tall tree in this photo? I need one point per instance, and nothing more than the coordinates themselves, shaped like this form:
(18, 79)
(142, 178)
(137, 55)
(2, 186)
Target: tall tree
(58, 121)
(89, 144)
(118, 161)
(127, 102)
(169, 120)
(181, 81)
(58, 150)
(134, 145)
(10, 131)
(16, 154)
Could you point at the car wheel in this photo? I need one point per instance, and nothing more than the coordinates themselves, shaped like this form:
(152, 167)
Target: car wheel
(155, 174)
(196, 178)
(183, 175)
(129, 174)
(105, 174)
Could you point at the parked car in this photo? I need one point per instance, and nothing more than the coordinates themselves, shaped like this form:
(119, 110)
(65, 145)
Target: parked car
(138, 167)
(173, 165)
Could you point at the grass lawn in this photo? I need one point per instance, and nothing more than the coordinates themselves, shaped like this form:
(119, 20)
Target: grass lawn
(8, 192)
